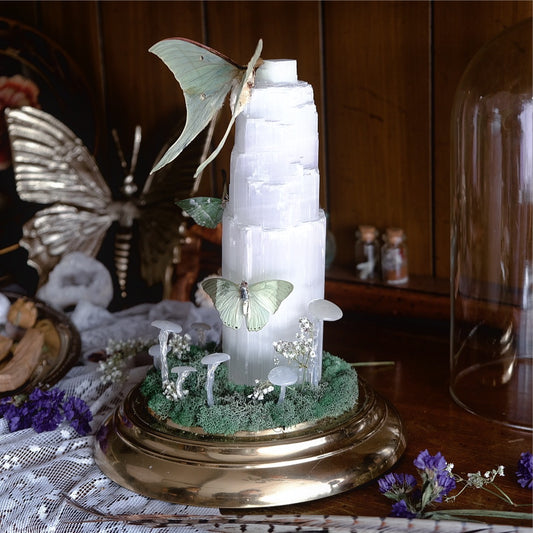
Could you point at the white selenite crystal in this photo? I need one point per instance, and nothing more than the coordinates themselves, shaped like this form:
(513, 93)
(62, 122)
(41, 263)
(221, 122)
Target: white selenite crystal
(75, 278)
(273, 227)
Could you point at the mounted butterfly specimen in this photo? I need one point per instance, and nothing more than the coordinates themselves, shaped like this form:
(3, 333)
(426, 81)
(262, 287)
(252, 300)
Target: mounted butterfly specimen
(52, 166)
(254, 303)
(206, 77)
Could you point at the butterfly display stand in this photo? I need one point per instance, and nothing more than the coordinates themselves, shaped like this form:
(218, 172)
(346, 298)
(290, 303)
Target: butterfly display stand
(255, 469)
(273, 276)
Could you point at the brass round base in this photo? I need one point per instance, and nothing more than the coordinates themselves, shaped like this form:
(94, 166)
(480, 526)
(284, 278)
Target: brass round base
(307, 462)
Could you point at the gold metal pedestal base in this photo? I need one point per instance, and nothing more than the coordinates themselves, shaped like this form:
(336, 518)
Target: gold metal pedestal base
(272, 468)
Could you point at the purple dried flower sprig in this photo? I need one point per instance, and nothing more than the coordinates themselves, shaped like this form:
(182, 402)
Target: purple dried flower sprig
(45, 410)
(524, 472)
(438, 480)
(411, 501)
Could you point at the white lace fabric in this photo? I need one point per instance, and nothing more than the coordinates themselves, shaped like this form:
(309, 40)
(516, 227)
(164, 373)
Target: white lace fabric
(40, 471)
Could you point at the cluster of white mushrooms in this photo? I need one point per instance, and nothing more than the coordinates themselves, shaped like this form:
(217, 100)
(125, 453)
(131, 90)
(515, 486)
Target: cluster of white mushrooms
(282, 375)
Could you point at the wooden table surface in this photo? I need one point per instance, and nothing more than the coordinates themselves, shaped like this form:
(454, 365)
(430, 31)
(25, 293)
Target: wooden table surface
(417, 385)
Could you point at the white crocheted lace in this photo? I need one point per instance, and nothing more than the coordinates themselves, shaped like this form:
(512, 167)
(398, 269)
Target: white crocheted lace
(37, 470)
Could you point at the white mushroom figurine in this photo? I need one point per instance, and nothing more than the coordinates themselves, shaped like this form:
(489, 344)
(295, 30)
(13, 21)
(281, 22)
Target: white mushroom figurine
(165, 329)
(320, 310)
(325, 310)
(182, 372)
(155, 352)
(283, 376)
(212, 361)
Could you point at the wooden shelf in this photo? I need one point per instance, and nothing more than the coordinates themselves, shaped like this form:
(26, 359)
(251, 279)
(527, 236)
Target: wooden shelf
(421, 297)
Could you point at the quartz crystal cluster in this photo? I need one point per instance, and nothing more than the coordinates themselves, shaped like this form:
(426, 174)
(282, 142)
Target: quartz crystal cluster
(273, 227)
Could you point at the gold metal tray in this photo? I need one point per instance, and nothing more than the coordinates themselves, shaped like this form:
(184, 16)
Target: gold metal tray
(54, 364)
(300, 464)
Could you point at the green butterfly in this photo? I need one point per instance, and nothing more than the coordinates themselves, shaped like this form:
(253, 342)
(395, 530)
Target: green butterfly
(204, 210)
(254, 302)
(206, 77)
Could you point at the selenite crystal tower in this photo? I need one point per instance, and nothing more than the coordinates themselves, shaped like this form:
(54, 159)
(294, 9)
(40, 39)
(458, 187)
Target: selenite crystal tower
(273, 227)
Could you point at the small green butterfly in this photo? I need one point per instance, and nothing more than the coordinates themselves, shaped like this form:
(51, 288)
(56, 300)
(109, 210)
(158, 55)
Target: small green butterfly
(254, 302)
(206, 77)
(204, 210)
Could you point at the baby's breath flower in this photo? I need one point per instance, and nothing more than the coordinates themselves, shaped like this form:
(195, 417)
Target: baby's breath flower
(170, 390)
(301, 351)
(261, 389)
(118, 353)
(180, 344)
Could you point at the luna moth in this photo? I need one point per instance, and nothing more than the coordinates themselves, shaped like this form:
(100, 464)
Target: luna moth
(206, 77)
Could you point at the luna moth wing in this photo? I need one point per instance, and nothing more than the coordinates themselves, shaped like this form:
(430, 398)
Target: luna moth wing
(205, 76)
(242, 97)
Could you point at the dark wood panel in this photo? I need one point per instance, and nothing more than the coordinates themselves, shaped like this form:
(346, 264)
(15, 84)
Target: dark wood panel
(74, 26)
(377, 86)
(25, 12)
(140, 89)
(460, 30)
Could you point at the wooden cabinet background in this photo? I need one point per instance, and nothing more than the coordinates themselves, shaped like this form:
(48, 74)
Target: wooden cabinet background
(384, 75)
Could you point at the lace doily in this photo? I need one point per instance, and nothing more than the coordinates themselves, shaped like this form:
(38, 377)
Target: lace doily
(37, 470)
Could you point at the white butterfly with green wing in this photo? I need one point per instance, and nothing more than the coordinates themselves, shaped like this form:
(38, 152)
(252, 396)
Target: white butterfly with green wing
(254, 303)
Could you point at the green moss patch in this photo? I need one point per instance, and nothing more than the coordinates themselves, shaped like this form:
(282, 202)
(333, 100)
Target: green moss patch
(236, 409)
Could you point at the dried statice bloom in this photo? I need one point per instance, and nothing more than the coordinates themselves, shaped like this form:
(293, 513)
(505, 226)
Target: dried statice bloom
(45, 410)
(524, 473)
(46, 407)
(401, 509)
(396, 484)
(78, 414)
(436, 475)
(411, 501)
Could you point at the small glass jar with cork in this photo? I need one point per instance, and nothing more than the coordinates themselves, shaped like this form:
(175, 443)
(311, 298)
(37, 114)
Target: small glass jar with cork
(394, 265)
(367, 253)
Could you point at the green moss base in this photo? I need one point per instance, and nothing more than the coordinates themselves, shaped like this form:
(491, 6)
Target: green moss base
(236, 410)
